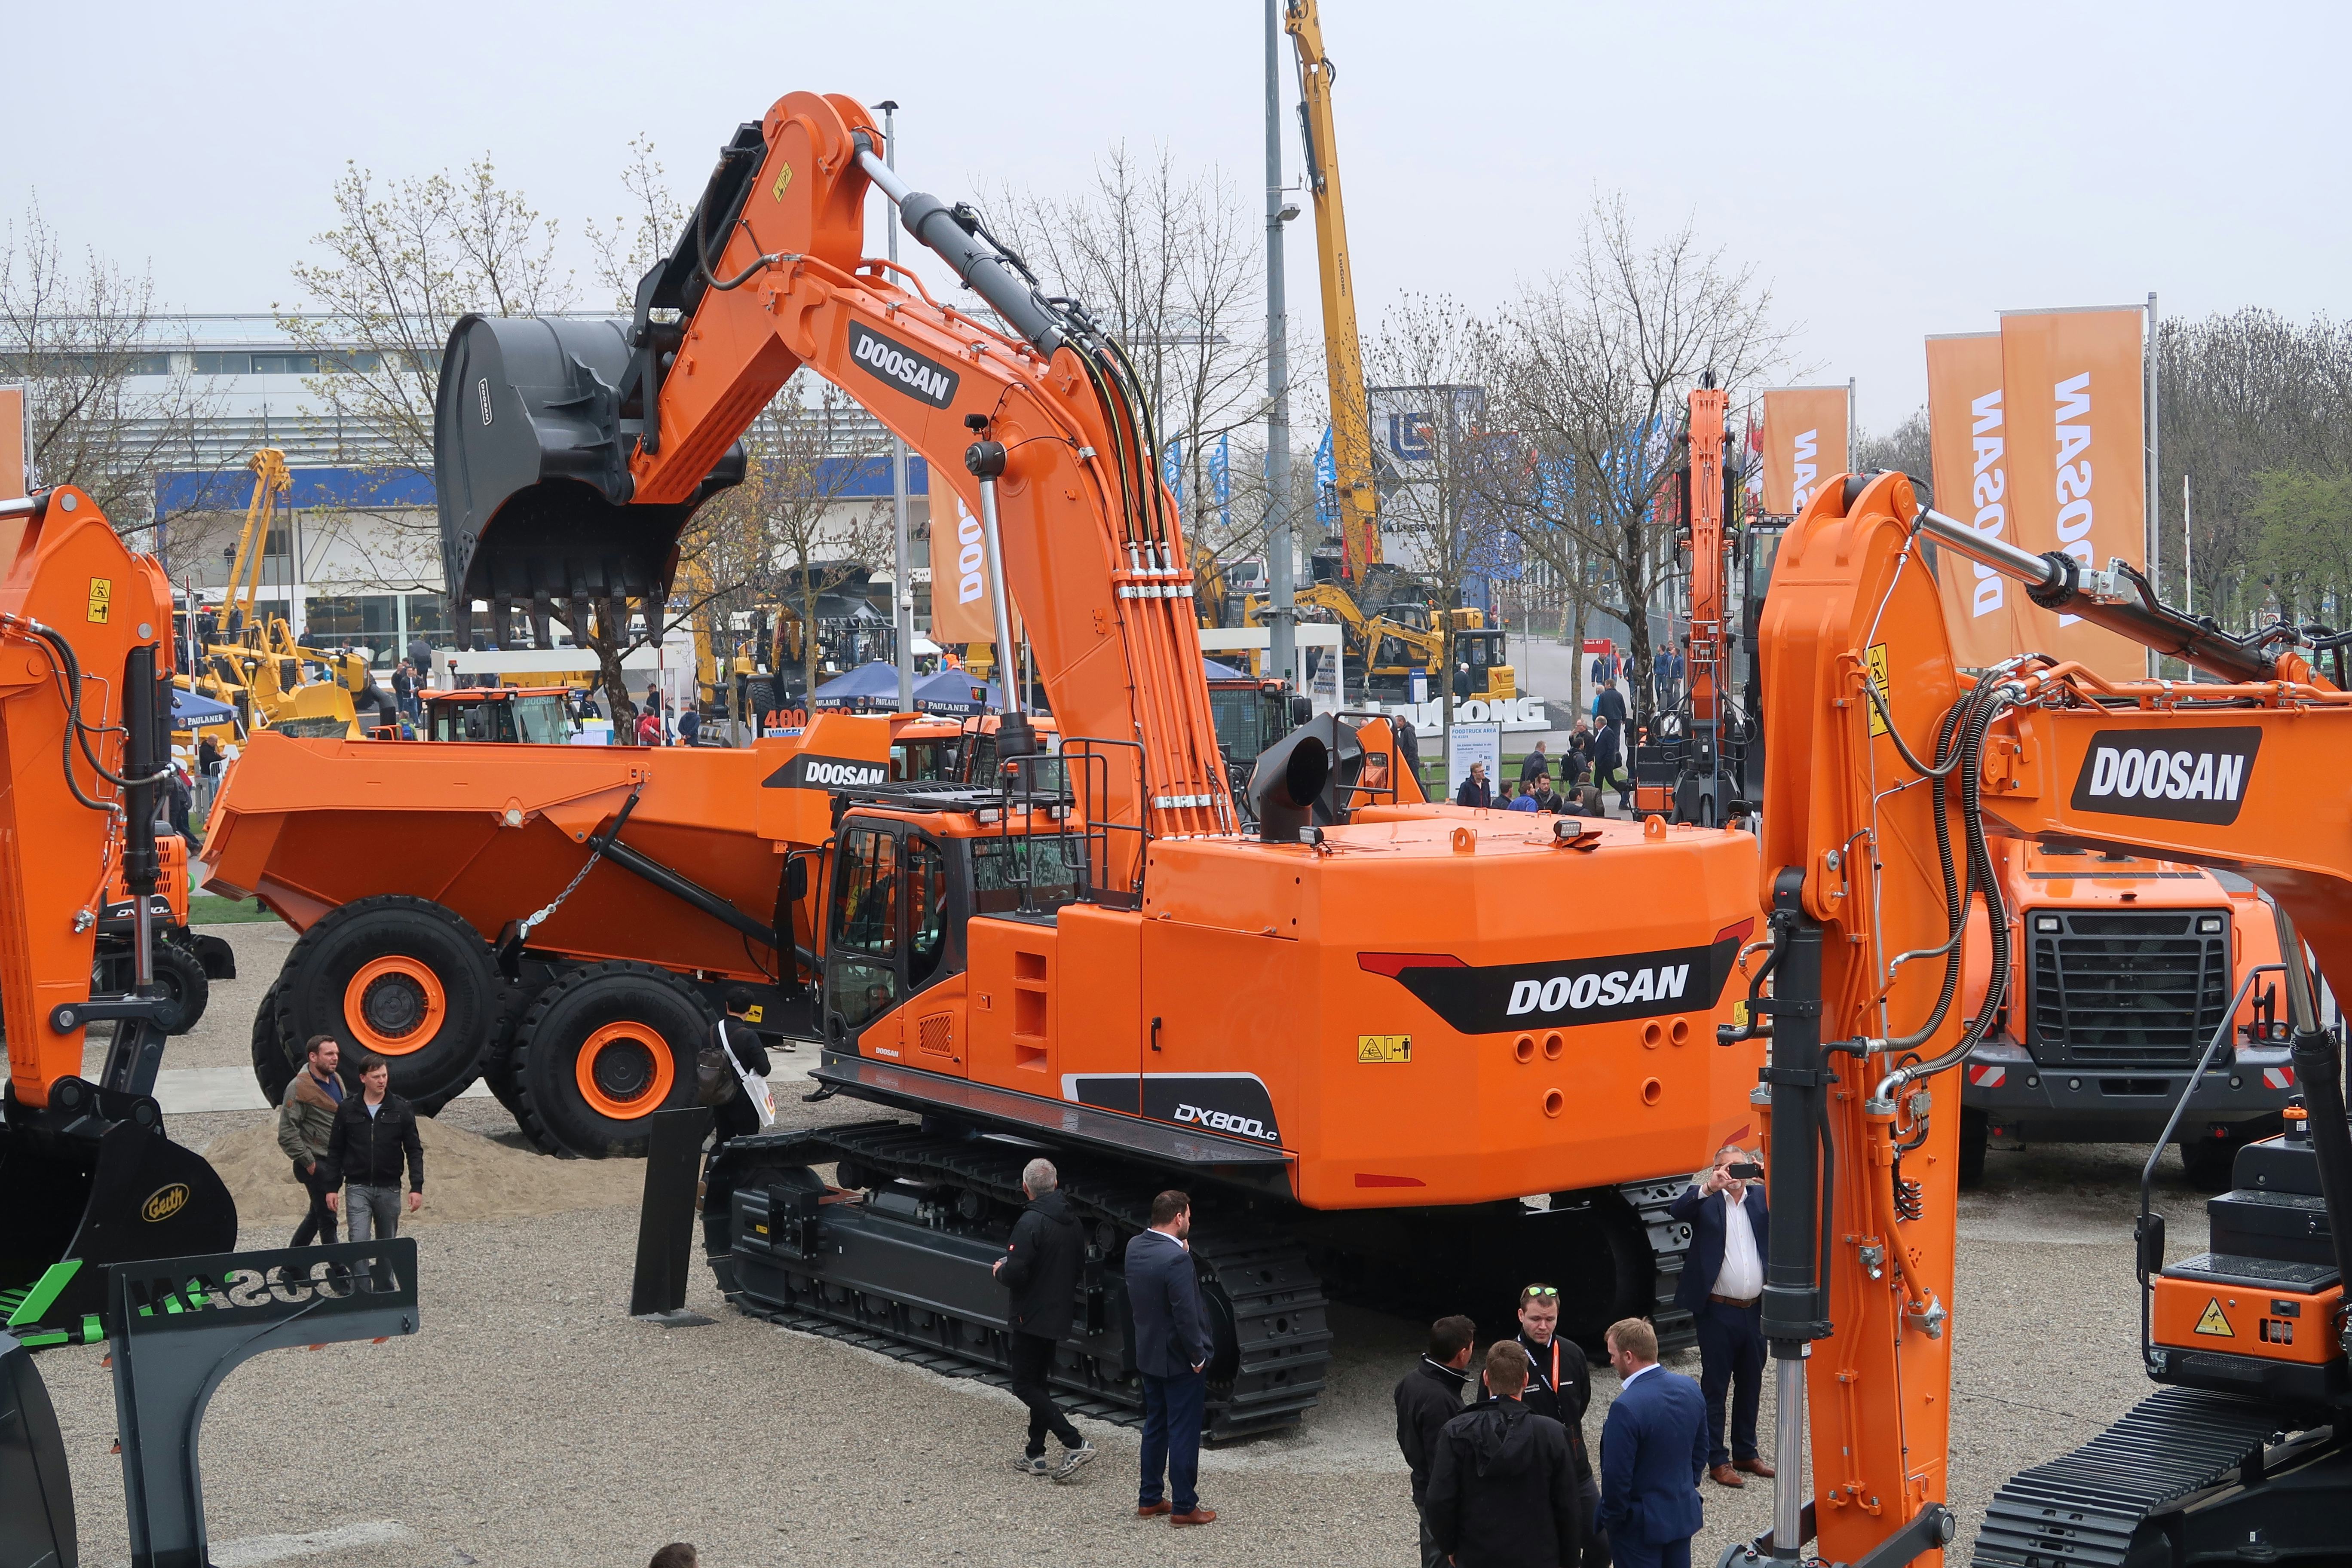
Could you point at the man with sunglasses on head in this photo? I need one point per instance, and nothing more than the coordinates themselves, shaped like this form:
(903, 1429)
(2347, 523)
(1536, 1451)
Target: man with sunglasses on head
(1559, 1384)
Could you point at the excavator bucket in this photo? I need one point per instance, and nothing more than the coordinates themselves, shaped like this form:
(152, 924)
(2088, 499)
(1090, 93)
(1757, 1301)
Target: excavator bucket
(532, 443)
(79, 1199)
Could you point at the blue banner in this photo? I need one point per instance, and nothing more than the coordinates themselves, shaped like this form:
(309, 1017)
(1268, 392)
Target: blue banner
(1327, 486)
(1172, 468)
(1220, 485)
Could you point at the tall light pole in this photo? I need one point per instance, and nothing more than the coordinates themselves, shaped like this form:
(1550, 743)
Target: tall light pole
(902, 579)
(1281, 656)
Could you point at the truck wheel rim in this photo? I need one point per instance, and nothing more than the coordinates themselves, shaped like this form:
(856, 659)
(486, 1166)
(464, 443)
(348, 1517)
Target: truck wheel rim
(624, 1070)
(395, 1004)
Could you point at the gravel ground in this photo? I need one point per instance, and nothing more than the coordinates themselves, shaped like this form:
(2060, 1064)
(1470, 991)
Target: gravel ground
(531, 1421)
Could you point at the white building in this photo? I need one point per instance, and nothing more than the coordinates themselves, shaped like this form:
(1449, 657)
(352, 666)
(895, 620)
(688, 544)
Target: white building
(354, 554)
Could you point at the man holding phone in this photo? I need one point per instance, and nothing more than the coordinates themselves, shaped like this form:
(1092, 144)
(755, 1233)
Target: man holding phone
(1722, 1288)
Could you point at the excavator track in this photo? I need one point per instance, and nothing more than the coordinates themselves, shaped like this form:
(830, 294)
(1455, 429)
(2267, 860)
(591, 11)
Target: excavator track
(1669, 1241)
(2107, 1502)
(913, 1283)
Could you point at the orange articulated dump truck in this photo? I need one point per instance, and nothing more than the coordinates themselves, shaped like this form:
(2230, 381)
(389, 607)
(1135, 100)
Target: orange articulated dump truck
(443, 890)
(1391, 1047)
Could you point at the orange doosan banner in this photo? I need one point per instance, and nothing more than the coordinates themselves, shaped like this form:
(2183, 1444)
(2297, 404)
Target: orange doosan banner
(1805, 435)
(11, 442)
(2076, 394)
(960, 610)
(1967, 439)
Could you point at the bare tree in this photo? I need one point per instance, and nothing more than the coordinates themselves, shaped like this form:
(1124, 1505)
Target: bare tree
(76, 335)
(1589, 371)
(1437, 519)
(1903, 450)
(2242, 395)
(1170, 263)
(642, 236)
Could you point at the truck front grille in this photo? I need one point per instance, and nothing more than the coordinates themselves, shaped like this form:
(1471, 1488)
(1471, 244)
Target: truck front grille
(2127, 987)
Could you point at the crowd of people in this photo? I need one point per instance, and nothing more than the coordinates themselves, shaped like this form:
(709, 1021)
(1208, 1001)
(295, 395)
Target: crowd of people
(1501, 1474)
(1500, 1470)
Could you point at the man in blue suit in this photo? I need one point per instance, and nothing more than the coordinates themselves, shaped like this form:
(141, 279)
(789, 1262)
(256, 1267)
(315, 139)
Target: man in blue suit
(1171, 1351)
(1722, 1288)
(1653, 1452)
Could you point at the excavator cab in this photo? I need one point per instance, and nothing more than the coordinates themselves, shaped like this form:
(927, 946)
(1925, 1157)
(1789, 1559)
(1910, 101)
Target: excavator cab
(89, 1177)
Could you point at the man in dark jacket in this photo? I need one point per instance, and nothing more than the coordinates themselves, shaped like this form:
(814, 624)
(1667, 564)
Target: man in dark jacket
(1559, 1384)
(1475, 790)
(306, 1123)
(1040, 1267)
(1502, 1493)
(1723, 1288)
(374, 1132)
(1430, 1396)
(1172, 1352)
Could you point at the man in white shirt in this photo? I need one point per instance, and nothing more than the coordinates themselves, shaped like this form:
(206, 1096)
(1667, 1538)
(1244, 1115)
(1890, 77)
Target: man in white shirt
(1722, 1288)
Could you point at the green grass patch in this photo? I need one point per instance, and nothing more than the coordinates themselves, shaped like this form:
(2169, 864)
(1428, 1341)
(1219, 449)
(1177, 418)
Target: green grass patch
(206, 910)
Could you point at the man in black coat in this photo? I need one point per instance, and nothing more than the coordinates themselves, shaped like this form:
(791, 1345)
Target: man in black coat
(1475, 790)
(1430, 1396)
(374, 1134)
(1502, 1493)
(1559, 1384)
(1040, 1267)
(1172, 1352)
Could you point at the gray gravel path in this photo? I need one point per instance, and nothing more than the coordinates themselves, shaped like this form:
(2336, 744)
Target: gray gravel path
(531, 1422)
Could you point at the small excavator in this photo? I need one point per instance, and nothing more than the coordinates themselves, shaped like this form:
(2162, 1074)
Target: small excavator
(1891, 781)
(87, 1176)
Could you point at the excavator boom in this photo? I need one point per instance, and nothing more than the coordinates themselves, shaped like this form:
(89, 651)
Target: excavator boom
(1888, 777)
(84, 670)
(1343, 353)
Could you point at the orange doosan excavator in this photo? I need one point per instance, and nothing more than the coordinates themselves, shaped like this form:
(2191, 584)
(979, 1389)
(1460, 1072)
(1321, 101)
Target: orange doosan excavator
(1890, 785)
(1390, 1045)
(87, 1176)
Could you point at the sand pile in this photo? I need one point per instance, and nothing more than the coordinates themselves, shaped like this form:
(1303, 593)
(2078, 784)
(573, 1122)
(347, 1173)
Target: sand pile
(467, 1177)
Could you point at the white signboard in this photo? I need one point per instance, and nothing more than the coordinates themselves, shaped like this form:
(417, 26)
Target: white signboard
(1474, 743)
(1512, 714)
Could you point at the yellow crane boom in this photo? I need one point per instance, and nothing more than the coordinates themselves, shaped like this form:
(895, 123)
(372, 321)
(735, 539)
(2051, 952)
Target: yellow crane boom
(270, 480)
(1343, 353)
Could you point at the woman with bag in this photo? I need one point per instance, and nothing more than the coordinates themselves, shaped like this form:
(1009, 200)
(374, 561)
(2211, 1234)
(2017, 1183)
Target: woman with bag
(731, 1063)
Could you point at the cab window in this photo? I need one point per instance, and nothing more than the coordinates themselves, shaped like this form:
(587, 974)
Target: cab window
(927, 911)
(861, 974)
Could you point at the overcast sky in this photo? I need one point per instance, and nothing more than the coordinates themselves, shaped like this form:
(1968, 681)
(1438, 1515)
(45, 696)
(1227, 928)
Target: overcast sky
(1892, 170)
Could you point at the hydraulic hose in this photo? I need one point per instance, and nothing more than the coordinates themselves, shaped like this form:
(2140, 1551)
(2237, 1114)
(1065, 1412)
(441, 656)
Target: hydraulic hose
(1984, 704)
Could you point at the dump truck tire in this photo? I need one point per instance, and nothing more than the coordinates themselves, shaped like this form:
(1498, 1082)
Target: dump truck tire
(403, 977)
(498, 1062)
(273, 1068)
(604, 1048)
(182, 974)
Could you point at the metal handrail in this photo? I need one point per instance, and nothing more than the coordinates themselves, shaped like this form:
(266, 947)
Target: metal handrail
(2221, 1033)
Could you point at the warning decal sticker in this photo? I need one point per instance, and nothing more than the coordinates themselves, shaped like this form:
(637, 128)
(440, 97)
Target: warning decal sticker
(2214, 1323)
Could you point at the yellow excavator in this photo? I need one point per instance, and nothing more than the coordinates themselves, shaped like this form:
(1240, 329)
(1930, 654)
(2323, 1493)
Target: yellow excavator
(253, 663)
(1389, 646)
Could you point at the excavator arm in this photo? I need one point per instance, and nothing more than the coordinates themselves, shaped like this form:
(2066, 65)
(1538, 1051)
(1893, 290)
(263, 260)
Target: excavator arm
(572, 454)
(1887, 775)
(85, 674)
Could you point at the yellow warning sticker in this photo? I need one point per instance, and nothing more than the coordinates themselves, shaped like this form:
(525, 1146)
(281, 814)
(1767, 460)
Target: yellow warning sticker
(102, 598)
(1877, 679)
(1372, 1048)
(783, 180)
(2214, 1323)
(1739, 1012)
